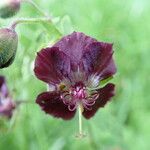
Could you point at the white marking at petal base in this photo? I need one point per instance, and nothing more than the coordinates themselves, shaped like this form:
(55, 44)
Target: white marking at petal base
(93, 81)
(51, 87)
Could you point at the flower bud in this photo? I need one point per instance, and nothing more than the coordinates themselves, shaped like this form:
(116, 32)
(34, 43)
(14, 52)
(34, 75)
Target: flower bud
(8, 46)
(9, 8)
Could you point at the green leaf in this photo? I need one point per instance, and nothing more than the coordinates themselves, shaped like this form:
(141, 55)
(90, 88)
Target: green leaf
(102, 82)
(51, 29)
(66, 26)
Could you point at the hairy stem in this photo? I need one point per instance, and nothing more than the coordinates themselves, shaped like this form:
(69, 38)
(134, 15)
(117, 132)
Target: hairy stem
(40, 11)
(28, 20)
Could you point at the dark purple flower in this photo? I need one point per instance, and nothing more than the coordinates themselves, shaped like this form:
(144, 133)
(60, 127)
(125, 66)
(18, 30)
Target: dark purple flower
(6, 104)
(73, 68)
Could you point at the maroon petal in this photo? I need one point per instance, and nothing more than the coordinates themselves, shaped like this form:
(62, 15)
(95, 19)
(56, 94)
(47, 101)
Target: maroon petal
(51, 103)
(105, 95)
(3, 87)
(98, 59)
(109, 71)
(51, 65)
(74, 45)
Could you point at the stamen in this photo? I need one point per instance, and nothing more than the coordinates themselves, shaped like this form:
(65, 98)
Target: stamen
(66, 102)
(87, 107)
(72, 107)
(88, 103)
(93, 97)
(76, 95)
(66, 97)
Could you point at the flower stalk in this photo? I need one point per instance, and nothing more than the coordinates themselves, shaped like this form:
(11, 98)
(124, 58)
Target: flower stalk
(80, 110)
(80, 119)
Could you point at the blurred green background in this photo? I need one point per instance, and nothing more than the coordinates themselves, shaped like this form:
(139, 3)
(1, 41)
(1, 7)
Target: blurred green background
(124, 124)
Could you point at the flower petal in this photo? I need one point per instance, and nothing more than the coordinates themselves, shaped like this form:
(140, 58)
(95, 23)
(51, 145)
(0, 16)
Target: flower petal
(98, 59)
(74, 45)
(51, 65)
(105, 94)
(51, 103)
(109, 71)
(3, 87)
(6, 108)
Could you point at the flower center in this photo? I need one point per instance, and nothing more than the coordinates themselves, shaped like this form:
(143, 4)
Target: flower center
(78, 94)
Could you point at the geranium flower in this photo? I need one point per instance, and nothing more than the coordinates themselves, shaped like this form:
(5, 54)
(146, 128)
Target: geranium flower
(73, 69)
(6, 103)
